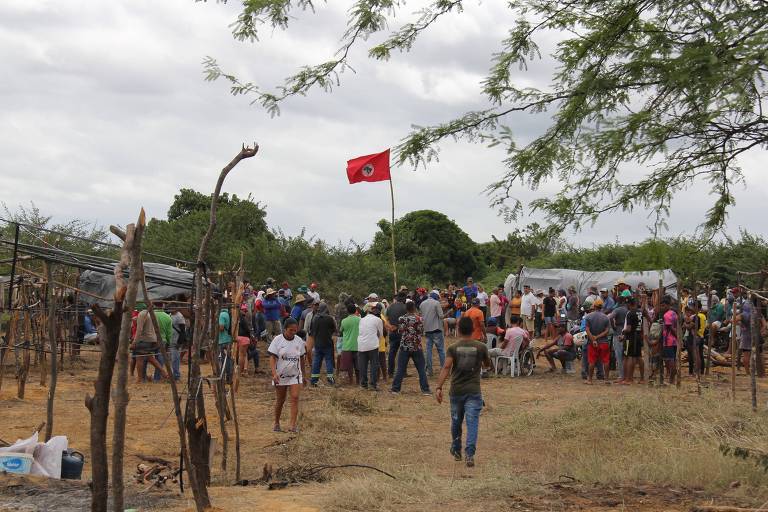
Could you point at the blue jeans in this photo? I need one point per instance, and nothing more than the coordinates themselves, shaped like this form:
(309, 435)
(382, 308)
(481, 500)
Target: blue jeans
(618, 353)
(394, 346)
(469, 407)
(436, 338)
(319, 355)
(402, 364)
(175, 363)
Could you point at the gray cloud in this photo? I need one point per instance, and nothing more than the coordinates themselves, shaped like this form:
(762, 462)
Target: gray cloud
(104, 110)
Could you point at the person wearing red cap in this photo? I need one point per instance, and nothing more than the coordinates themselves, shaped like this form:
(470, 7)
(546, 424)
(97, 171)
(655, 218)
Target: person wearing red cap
(286, 291)
(313, 292)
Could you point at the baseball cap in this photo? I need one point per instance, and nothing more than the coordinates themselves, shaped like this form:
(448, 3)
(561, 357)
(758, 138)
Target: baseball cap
(475, 301)
(539, 292)
(372, 296)
(603, 290)
(597, 303)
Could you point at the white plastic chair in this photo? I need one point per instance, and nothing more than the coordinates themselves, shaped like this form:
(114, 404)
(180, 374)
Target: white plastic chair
(513, 359)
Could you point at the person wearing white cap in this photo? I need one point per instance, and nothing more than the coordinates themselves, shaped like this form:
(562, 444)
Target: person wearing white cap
(370, 329)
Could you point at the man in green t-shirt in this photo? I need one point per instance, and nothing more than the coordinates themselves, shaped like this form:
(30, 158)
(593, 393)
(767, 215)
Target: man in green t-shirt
(165, 323)
(463, 362)
(225, 342)
(349, 329)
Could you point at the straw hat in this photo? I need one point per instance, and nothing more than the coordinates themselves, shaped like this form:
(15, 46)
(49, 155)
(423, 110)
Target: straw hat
(299, 298)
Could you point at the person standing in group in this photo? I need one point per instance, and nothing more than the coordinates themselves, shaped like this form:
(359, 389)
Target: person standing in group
(618, 318)
(464, 363)
(411, 329)
(528, 310)
(394, 312)
(245, 336)
(371, 328)
(482, 297)
(598, 326)
(165, 323)
(272, 308)
(321, 340)
(432, 315)
(549, 310)
(572, 308)
(494, 306)
(288, 364)
(349, 329)
(179, 341)
(145, 347)
(470, 290)
(313, 293)
(478, 320)
(298, 308)
(503, 303)
(633, 342)
(225, 342)
(669, 339)
(287, 292)
(516, 304)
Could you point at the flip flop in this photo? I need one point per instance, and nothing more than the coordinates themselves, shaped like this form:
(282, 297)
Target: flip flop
(277, 428)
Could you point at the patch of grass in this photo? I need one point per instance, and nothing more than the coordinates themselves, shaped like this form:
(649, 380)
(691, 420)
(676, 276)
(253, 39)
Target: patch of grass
(359, 404)
(665, 440)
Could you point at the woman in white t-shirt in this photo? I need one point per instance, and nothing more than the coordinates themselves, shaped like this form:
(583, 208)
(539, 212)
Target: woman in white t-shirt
(287, 359)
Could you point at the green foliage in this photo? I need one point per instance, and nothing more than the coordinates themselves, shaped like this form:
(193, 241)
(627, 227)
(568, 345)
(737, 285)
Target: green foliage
(671, 88)
(430, 248)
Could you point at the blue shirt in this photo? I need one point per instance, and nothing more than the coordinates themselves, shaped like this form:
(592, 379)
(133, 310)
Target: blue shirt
(224, 321)
(296, 312)
(88, 326)
(272, 309)
(470, 292)
(609, 305)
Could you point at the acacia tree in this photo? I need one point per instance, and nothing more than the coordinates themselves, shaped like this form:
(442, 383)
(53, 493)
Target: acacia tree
(672, 87)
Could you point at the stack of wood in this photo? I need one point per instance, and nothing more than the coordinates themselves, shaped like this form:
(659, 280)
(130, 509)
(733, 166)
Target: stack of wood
(156, 472)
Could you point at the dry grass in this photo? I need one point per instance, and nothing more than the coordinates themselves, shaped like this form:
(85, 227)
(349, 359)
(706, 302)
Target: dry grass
(653, 438)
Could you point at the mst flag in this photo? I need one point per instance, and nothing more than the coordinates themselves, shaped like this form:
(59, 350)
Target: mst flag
(369, 168)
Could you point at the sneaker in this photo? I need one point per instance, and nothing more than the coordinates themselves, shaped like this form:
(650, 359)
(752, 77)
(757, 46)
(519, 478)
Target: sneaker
(456, 454)
(426, 393)
(313, 384)
(331, 382)
(470, 461)
(393, 392)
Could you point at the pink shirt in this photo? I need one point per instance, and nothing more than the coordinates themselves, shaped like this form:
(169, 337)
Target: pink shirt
(670, 329)
(514, 335)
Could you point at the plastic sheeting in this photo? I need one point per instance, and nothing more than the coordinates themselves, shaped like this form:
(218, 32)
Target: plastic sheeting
(46, 456)
(163, 282)
(582, 280)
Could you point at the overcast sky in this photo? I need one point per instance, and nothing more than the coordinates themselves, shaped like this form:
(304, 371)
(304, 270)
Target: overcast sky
(104, 110)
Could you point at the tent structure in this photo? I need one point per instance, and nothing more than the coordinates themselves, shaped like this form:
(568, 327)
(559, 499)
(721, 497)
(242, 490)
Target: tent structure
(163, 282)
(582, 280)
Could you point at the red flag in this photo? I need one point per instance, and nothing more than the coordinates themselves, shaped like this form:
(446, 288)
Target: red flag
(369, 168)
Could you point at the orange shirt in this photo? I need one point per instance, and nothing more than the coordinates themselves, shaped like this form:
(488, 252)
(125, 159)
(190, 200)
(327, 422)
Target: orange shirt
(515, 304)
(478, 323)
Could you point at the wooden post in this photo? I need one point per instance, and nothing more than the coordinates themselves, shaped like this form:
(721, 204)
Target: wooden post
(24, 370)
(237, 434)
(174, 388)
(13, 265)
(392, 233)
(51, 300)
(130, 259)
(734, 349)
(660, 361)
(196, 421)
(710, 341)
(754, 325)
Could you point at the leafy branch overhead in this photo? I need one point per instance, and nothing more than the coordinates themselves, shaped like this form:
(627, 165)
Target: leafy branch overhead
(647, 97)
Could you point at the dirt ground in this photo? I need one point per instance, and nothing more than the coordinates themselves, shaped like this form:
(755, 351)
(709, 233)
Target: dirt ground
(406, 435)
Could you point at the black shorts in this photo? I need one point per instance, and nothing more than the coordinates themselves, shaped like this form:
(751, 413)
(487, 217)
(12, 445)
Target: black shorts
(633, 347)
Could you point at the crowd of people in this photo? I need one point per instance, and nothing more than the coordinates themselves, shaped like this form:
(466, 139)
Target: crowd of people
(371, 342)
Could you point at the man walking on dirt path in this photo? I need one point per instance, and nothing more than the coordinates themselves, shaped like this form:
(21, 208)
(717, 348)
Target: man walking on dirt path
(464, 362)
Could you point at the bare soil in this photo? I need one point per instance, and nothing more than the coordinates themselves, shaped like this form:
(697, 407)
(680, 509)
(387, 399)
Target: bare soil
(406, 435)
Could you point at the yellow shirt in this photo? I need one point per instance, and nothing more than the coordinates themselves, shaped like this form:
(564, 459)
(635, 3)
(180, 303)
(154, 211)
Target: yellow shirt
(702, 324)
(383, 341)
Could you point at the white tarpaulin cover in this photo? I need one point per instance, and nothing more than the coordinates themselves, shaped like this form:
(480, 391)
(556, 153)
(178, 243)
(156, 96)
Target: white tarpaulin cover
(560, 278)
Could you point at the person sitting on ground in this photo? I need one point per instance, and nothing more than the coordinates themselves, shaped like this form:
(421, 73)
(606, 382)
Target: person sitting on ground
(288, 364)
(514, 336)
(561, 348)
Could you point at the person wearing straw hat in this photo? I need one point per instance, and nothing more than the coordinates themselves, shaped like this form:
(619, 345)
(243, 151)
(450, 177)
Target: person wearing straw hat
(299, 305)
(272, 308)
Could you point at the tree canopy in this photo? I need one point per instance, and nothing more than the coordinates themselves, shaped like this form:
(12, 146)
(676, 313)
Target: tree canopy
(646, 98)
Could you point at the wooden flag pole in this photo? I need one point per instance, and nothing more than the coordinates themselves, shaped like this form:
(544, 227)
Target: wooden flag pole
(392, 233)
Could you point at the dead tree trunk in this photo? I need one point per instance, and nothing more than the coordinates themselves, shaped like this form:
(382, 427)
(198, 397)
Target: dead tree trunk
(174, 390)
(130, 258)
(51, 300)
(196, 421)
